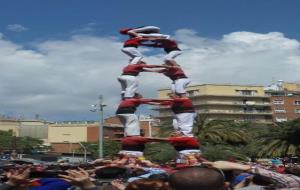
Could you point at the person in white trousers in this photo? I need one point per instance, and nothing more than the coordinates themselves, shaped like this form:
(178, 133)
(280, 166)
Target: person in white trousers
(126, 113)
(128, 79)
(137, 37)
(184, 114)
(144, 31)
(179, 80)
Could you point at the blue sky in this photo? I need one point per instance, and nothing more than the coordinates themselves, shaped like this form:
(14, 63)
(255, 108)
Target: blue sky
(48, 19)
(57, 56)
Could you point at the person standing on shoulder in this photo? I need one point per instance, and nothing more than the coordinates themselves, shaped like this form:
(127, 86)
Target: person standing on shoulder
(128, 79)
(126, 113)
(137, 37)
(184, 114)
(177, 75)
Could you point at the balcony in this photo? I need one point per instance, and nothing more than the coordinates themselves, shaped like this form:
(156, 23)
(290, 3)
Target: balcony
(230, 96)
(166, 113)
(232, 103)
(237, 112)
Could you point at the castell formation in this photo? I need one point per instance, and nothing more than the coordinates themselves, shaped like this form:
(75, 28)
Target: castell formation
(133, 144)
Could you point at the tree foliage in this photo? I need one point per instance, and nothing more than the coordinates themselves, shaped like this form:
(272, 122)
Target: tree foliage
(160, 152)
(276, 141)
(110, 148)
(21, 144)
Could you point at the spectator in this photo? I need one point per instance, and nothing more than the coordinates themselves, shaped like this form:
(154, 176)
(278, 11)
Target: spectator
(197, 178)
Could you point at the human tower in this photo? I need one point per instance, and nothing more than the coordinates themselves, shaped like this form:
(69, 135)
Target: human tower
(184, 113)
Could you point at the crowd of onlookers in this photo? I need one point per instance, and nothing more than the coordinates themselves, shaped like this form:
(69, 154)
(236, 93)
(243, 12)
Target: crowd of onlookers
(131, 172)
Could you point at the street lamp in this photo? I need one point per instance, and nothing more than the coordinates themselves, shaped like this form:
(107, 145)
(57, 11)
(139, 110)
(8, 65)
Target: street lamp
(85, 151)
(99, 107)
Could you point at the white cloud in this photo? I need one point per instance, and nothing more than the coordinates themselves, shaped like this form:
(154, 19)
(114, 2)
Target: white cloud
(16, 28)
(85, 29)
(60, 79)
(240, 57)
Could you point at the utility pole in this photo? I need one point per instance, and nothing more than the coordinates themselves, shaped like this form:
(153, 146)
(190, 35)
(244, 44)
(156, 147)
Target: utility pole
(85, 151)
(101, 126)
(95, 108)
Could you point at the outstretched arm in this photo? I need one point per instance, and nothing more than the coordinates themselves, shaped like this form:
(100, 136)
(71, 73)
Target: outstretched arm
(164, 102)
(79, 178)
(288, 181)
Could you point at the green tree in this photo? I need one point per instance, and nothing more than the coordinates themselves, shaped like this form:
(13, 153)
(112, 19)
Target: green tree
(277, 141)
(160, 152)
(110, 148)
(220, 132)
(23, 144)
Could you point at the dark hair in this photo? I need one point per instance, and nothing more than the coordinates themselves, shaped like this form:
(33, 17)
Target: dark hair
(162, 176)
(111, 172)
(261, 180)
(148, 184)
(197, 178)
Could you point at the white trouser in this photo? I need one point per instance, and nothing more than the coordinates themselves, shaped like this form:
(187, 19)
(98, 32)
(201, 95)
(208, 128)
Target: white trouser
(179, 85)
(155, 35)
(134, 53)
(131, 124)
(172, 55)
(129, 85)
(152, 29)
(183, 122)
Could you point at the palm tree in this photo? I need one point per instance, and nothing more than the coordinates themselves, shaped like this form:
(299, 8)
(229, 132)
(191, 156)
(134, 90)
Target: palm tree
(279, 140)
(220, 131)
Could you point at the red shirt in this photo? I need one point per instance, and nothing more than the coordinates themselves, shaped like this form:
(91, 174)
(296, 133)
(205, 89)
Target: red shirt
(180, 105)
(134, 69)
(168, 44)
(174, 73)
(133, 140)
(129, 105)
(134, 42)
(183, 141)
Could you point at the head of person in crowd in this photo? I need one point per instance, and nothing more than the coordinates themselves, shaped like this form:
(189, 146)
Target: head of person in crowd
(197, 178)
(132, 160)
(148, 184)
(252, 181)
(191, 159)
(294, 170)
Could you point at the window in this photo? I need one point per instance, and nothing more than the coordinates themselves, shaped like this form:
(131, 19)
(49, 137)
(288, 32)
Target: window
(279, 110)
(297, 102)
(281, 119)
(278, 101)
(246, 92)
(297, 110)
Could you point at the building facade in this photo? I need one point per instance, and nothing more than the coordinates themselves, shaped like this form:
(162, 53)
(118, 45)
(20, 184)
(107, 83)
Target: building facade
(285, 100)
(23, 127)
(64, 137)
(233, 102)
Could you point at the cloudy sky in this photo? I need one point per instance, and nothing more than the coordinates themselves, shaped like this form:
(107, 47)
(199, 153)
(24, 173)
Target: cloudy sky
(57, 57)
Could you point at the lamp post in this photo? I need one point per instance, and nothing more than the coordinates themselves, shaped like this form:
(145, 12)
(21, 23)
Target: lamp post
(101, 126)
(85, 151)
(99, 107)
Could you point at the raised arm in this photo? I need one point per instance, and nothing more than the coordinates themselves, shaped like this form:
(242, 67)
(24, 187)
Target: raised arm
(283, 180)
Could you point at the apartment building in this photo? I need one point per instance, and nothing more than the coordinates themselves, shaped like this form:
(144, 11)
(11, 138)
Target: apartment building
(222, 101)
(285, 100)
(64, 137)
(25, 127)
